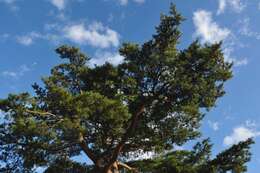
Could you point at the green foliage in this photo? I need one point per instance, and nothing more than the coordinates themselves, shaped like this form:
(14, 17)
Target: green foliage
(151, 101)
(67, 166)
(199, 160)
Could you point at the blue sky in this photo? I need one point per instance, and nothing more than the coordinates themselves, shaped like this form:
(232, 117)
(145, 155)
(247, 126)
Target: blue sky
(30, 31)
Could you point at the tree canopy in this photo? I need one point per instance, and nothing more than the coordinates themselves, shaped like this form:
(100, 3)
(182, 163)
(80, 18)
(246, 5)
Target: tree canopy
(153, 100)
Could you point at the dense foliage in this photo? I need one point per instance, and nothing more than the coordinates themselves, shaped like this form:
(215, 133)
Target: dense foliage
(154, 99)
(198, 160)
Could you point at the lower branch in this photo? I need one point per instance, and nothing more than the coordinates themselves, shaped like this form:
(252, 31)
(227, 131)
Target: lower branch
(86, 149)
(120, 164)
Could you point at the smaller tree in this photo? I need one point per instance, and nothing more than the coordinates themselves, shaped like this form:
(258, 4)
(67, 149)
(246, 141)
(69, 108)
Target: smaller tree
(199, 160)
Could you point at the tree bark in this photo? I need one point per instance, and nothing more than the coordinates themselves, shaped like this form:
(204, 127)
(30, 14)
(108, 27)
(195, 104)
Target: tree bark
(116, 166)
(127, 134)
(113, 169)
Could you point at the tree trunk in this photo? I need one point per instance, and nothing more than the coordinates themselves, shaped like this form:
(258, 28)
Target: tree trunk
(112, 169)
(116, 166)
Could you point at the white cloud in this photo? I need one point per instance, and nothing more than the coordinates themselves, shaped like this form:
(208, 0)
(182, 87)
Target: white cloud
(229, 58)
(214, 125)
(25, 40)
(125, 2)
(4, 37)
(139, 1)
(60, 4)
(95, 34)
(245, 29)
(221, 6)
(19, 72)
(240, 134)
(235, 5)
(9, 74)
(11, 4)
(8, 1)
(208, 30)
(251, 124)
(103, 57)
(28, 39)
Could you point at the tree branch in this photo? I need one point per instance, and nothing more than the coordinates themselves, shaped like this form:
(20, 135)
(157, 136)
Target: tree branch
(57, 149)
(41, 113)
(127, 167)
(86, 149)
(125, 137)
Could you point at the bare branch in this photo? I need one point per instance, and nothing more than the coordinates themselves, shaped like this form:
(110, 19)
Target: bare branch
(41, 113)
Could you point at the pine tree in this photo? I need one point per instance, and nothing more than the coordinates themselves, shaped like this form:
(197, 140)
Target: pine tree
(154, 99)
(199, 160)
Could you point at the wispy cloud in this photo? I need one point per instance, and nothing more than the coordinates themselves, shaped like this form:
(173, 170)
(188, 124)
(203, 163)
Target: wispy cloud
(101, 57)
(4, 37)
(125, 2)
(228, 50)
(208, 30)
(251, 124)
(213, 125)
(28, 39)
(240, 133)
(59, 4)
(19, 72)
(94, 34)
(235, 5)
(245, 29)
(31, 38)
(11, 4)
(8, 1)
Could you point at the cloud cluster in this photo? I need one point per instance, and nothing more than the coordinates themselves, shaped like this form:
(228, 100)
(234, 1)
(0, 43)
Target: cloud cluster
(19, 72)
(11, 4)
(60, 4)
(95, 35)
(29, 38)
(208, 30)
(235, 5)
(228, 50)
(8, 1)
(214, 125)
(102, 57)
(240, 133)
(245, 29)
(125, 2)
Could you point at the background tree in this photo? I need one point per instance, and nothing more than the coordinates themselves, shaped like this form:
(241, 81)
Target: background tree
(154, 99)
(198, 160)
